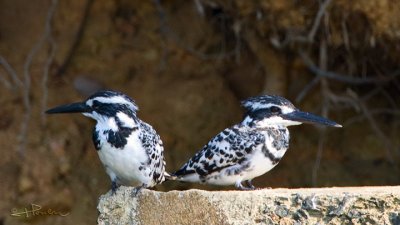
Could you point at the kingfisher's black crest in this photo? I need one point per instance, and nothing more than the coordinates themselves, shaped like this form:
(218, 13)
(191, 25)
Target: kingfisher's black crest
(130, 149)
(108, 94)
(264, 101)
(250, 148)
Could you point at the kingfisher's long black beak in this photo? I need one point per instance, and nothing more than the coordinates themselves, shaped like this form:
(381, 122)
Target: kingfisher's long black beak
(79, 107)
(305, 117)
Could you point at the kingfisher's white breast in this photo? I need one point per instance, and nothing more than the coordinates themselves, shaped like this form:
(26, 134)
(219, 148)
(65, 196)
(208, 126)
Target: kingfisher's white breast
(259, 162)
(125, 162)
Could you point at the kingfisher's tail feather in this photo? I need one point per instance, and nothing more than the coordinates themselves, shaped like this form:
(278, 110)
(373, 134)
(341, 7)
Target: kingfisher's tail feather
(169, 176)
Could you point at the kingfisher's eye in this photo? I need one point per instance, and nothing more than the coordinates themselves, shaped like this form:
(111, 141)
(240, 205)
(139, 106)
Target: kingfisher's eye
(275, 109)
(96, 105)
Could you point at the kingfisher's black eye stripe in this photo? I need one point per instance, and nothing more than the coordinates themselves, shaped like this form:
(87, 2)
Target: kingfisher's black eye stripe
(111, 110)
(275, 109)
(259, 114)
(262, 113)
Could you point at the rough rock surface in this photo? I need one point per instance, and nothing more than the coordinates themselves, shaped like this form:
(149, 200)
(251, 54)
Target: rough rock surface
(354, 205)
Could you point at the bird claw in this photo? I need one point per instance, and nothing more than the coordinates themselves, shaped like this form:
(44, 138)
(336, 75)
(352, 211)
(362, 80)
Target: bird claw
(246, 189)
(137, 190)
(249, 185)
(114, 187)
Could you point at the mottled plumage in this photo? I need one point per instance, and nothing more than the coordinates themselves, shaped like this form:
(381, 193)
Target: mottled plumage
(130, 149)
(248, 149)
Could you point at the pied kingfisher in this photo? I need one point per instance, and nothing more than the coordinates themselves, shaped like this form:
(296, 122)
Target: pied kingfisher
(248, 149)
(130, 149)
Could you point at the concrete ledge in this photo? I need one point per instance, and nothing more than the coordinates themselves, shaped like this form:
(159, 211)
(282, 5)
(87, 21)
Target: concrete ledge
(352, 205)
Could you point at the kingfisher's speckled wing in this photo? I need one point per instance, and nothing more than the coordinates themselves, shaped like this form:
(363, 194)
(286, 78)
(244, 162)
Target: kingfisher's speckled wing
(228, 148)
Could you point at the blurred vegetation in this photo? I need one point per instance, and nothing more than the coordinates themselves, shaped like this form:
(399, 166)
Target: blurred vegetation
(188, 64)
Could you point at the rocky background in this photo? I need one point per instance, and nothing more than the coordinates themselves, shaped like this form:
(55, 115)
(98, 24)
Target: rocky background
(188, 64)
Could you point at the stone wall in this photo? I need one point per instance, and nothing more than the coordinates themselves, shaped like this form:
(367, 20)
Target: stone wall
(350, 205)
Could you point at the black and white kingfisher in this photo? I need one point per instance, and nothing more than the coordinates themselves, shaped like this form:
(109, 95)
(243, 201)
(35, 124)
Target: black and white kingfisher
(248, 149)
(130, 149)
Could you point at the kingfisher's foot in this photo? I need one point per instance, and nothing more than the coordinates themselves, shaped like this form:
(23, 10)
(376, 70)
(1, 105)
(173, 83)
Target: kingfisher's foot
(250, 185)
(114, 187)
(137, 190)
(239, 186)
